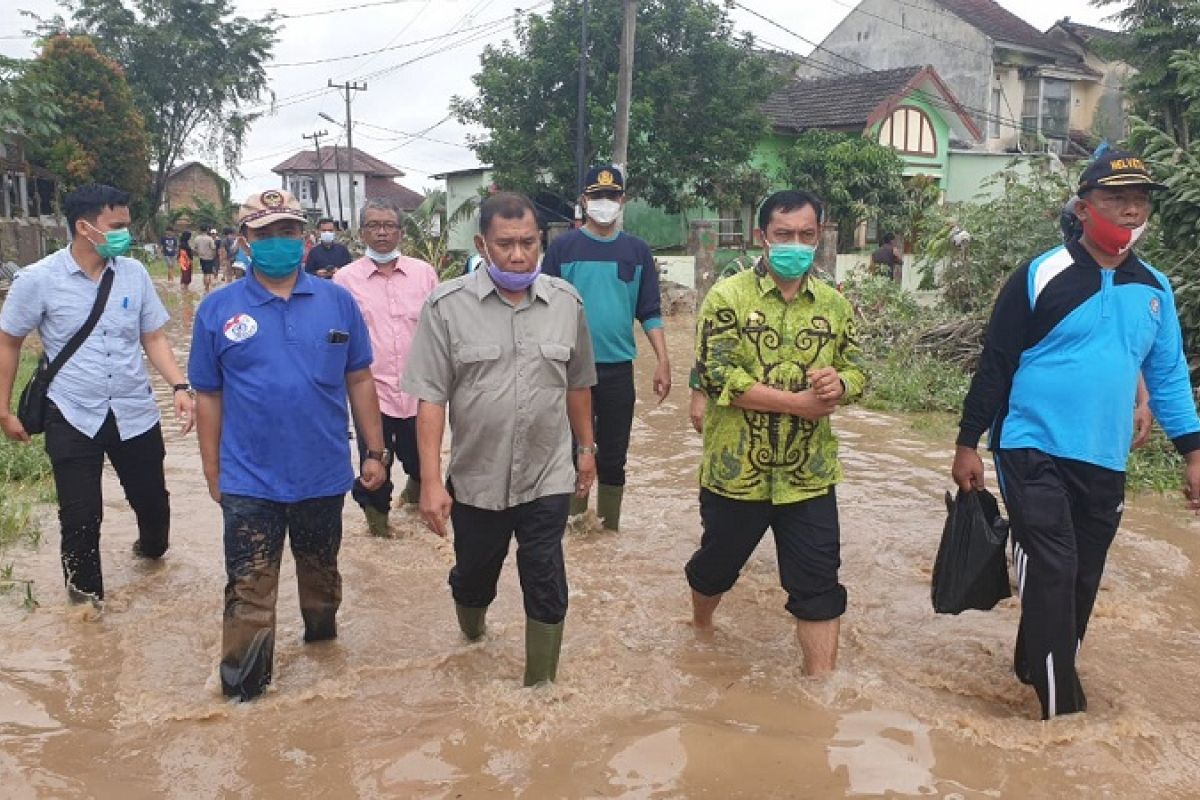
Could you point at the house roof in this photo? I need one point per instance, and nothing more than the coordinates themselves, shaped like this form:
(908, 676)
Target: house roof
(1086, 34)
(1000, 24)
(405, 198)
(306, 161)
(856, 101)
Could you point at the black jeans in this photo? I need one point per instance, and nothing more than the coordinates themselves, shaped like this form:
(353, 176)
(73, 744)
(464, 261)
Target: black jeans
(1064, 516)
(399, 436)
(481, 539)
(254, 533)
(78, 461)
(613, 397)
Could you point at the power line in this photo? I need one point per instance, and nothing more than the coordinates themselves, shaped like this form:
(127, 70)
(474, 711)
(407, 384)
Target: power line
(346, 8)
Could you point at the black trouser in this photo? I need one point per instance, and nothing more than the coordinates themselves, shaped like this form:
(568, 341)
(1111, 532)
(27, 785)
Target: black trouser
(807, 543)
(481, 538)
(78, 461)
(399, 436)
(254, 533)
(1064, 515)
(613, 397)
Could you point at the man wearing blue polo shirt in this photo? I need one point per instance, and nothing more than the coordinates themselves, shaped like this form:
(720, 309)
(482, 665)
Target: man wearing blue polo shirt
(278, 341)
(618, 280)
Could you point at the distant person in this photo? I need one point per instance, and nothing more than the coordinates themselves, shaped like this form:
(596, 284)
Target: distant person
(241, 255)
(328, 255)
(101, 401)
(391, 289)
(888, 259)
(170, 251)
(205, 245)
(616, 275)
(187, 260)
(228, 245)
(1068, 337)
(275, 357)
(776, 354)
(507, 351)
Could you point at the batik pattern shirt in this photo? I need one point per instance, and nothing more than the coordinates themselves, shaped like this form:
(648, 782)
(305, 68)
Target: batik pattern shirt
(748, 334)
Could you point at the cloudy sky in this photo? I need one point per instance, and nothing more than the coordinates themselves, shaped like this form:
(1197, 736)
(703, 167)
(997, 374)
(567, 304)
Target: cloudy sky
(412, 98)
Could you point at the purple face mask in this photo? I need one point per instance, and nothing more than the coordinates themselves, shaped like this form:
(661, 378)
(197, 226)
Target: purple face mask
(513, 281)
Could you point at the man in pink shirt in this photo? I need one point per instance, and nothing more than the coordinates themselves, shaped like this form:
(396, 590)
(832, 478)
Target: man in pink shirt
(390, 289)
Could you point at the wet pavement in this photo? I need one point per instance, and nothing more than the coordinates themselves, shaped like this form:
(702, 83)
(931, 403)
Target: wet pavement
(126, 703)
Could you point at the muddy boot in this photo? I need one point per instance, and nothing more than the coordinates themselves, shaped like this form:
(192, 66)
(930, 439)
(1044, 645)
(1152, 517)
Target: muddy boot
(412, 492)
(578, 506)
(377, 522)
(248, 678)
(472, 621)
(608, 505)
(542, 644)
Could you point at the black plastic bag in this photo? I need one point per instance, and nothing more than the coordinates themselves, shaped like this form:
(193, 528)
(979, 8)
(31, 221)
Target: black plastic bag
(971, 571)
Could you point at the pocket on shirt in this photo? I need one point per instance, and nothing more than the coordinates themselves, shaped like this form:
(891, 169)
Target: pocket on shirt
(331, 362)
(552, 369)
(478, 364)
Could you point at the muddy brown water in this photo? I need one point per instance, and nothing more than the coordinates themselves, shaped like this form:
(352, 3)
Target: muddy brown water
(126, 703)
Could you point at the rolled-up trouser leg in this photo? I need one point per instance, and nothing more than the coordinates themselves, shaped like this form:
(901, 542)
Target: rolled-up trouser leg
(77, 461)
(315, 528)
(539, 526)
(254, 533)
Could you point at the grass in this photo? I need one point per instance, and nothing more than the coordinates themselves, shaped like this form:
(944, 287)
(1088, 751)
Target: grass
(909, 382)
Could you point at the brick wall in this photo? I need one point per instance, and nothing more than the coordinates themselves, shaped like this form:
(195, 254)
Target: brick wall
(193, 181)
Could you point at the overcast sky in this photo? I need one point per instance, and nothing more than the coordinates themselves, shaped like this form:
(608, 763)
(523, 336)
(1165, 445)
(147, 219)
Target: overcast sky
(413, 98)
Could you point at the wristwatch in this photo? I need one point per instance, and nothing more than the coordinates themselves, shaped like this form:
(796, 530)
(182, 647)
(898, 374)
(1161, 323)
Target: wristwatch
(383, 456)
(182, 387)
(580, 449)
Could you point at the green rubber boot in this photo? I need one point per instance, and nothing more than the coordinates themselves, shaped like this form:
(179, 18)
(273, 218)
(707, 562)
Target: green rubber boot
(542, 644)
(608, 505)
(578, 506)
(377, 522)
(412, 491)
(472, 621)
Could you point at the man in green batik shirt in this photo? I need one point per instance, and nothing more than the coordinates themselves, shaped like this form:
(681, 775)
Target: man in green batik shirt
(775, 355)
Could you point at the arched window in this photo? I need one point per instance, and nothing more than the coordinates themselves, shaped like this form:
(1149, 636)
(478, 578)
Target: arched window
(909, 131)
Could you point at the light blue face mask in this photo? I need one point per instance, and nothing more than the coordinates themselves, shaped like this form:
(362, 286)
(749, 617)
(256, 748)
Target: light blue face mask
(278, 256)
(791, 261)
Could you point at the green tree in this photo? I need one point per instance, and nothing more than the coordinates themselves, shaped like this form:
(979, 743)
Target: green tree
(427, 229)
(193, 66)
(102, 137)
(27, 105)
(857, 178)
(696, 91)
(1153, 30)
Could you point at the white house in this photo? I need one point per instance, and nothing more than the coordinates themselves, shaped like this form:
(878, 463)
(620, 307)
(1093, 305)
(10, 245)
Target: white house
(323, 185)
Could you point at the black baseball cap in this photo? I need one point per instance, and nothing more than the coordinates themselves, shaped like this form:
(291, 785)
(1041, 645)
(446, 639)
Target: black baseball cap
(1117, 168)
(604, 178)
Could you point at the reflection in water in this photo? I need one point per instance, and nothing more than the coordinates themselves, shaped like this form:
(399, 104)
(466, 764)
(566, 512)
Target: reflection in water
(124, 704)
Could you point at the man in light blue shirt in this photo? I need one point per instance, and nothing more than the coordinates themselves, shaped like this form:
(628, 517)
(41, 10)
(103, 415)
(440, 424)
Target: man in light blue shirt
(101, 401)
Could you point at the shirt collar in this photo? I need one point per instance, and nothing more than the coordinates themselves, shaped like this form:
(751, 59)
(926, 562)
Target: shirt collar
(400, 267)
(73, 266)
(595, 237)
(766, 284)
(485, 286)
(260, 295)
(1083, 258)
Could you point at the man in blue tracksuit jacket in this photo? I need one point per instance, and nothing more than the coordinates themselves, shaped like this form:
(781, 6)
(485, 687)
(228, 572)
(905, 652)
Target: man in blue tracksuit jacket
(616, 275)
(1056, 384)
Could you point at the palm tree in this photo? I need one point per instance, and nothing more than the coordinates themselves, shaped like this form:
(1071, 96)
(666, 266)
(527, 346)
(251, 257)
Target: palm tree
(427, 230)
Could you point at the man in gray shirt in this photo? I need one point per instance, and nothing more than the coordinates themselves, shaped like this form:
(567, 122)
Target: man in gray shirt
(508, 350)
(101, 402)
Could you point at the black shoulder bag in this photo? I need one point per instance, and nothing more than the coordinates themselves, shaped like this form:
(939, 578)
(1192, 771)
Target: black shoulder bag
(34, 402)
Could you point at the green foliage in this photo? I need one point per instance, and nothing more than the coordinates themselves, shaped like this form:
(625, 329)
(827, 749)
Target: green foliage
(857, 178)
(693, 117)
(1005, 232)
(909, 219)
(27, 105)
(206, 215)
(427, 230)
(196, 69)
(1153, 31)
(915, 382)
(1155, 466)
(102, 136)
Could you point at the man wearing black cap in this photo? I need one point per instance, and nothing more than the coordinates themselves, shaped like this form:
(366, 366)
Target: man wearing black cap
(618, 280)
(1055, 386)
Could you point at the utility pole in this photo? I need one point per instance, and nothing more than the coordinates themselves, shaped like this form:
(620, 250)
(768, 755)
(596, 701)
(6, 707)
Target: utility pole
(337, 177)
(581, 107)
(316, 137)
(349, 87)
(624, 88)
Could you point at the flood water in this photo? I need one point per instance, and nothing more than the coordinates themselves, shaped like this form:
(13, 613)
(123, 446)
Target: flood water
(126, 703)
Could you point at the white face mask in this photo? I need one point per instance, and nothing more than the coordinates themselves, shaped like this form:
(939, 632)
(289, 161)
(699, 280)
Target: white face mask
(327, 237)
(604, 212)
(382, 258)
